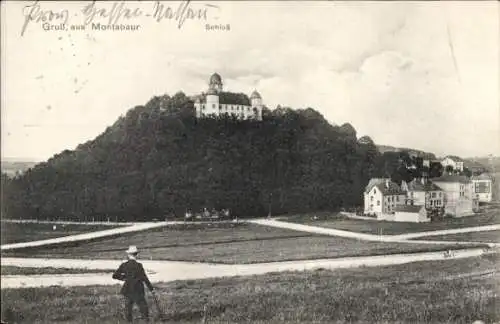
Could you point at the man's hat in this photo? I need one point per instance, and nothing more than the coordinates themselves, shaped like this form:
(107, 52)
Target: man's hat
(132, 249)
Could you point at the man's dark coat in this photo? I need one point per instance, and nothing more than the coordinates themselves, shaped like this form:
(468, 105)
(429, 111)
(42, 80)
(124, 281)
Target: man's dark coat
(132, 272)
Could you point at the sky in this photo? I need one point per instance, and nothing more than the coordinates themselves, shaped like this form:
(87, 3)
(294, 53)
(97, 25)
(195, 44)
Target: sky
(423, 75)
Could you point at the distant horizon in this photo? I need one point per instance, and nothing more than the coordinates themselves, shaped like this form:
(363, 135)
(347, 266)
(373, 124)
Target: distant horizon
(35, 160)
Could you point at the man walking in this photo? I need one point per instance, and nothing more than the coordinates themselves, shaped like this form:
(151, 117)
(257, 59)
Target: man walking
(134, 277)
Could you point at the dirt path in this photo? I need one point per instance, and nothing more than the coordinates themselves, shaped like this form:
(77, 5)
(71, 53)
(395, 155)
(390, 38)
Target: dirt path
(403, 238)
(85, 236)
(162, 271)
(484, 228)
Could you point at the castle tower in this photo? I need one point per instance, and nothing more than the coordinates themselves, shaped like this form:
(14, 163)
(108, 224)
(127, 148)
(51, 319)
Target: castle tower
(256, 99)
(212, 106)
(256, 102)
(215, 82)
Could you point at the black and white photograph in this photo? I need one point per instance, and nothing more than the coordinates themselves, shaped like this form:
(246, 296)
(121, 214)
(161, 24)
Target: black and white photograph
(250, 162)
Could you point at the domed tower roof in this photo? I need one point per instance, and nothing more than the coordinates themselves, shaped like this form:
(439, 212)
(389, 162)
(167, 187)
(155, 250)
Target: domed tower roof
(255, 95)
(215, 79)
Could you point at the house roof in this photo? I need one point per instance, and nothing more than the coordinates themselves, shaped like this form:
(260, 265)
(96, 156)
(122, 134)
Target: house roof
(416, 185)
(454, 158)
(380, 183)
(452, 178)
(227, 98)
(372, 183)
(482, 176)
(408, 208)
(392, 189)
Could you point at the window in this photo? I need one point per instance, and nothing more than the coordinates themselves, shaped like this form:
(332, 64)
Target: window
(432, 202)
(213, 105)
(378, 202)
(374, 191)
(440, 194)
(411, 194)
(397, 198)
(220, 107)
(433, 195)
(371, 198)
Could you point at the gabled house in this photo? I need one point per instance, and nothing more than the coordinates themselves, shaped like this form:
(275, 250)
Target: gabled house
(422, 192)
(381, 196)
(454, 161)
(459, 198)
(482, 187)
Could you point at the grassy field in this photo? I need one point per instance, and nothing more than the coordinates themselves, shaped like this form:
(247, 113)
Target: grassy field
(486, 236)
(225, 243)
(453, 291)
(24, 232)
(13, 270)
(392, 228)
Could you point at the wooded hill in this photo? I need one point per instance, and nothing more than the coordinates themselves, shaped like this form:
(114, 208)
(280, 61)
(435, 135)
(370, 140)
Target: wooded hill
(159, 159)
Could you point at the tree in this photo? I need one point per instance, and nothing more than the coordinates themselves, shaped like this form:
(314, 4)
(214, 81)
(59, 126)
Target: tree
(449, 169)
(160, 159)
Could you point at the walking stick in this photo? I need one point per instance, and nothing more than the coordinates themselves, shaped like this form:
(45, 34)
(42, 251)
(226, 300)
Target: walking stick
(162, 315)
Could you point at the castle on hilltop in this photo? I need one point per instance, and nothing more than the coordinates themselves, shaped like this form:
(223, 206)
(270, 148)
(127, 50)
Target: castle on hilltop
(216, 102)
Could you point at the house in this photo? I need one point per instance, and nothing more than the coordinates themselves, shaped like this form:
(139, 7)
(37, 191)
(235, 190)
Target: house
(409, 213)
(482, 187)
(216, 102)
(422, 192)
(453, 161)
(381, 196)
(459, 199)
